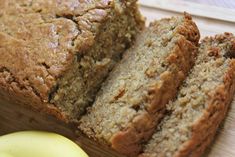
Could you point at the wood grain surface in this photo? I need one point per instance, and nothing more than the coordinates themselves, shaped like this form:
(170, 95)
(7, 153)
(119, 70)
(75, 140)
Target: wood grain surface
(15, 118)
(219, 3)
(196, 9)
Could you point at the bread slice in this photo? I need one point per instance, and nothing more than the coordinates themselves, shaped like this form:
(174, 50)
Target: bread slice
(133, 98)
(201, 104)
(55, 54)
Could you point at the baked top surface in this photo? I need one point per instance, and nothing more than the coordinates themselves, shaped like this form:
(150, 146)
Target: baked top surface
(39, 39)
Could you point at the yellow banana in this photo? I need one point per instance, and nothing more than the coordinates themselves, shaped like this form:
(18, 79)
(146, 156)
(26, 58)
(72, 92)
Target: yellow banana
(38, 144)
(5, 155)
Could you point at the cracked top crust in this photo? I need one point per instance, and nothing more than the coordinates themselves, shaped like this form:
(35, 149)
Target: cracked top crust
(40, 39)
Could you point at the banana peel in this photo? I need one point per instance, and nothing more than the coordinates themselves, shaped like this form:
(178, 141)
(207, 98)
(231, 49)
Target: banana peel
(38, 144)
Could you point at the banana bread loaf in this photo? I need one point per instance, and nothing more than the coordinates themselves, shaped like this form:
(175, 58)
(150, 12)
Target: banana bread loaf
(55, 54)
(201, 104)
(133, 98)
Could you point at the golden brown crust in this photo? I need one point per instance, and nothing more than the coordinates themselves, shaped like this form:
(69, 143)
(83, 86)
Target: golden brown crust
(17, 96)
(39, 36)
(36, 46)
(40, 42)
(201, 104)
(181, 59)
(205, 128)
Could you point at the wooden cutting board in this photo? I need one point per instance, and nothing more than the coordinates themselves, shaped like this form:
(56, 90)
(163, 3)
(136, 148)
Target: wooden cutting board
(211, 20)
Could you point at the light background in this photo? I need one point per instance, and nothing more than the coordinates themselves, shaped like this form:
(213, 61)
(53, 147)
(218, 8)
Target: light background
(220, 3)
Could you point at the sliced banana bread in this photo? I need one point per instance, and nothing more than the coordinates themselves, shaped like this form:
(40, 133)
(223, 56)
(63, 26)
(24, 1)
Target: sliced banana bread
(133, 98)
(201, 104)
(55, 54)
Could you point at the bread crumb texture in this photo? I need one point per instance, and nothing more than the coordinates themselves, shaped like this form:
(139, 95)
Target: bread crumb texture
(133, 98)
(201, 104)
(55, 54)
